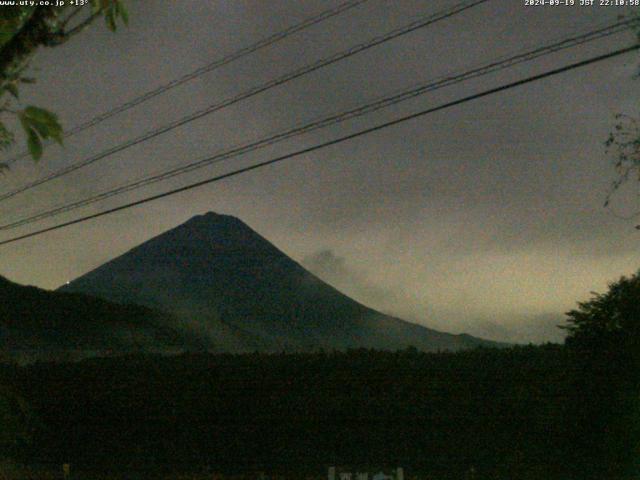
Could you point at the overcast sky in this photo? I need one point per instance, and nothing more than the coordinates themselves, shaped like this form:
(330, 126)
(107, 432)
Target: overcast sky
(485, 218)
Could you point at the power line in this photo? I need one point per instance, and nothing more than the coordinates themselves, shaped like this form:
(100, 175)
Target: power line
(491, 67)
(218, 63)
(335, 141)
(411, 27)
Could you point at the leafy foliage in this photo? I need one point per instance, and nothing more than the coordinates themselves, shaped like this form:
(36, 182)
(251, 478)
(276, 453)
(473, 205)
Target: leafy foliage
(39, 124)
(23, 29)
(12, 20)
(610, 320)
(113, 10)
(623, 145)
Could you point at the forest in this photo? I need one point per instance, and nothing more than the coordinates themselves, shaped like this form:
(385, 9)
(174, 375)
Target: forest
(523, 412)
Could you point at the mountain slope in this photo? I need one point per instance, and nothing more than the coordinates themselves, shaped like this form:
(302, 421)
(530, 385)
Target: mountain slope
(42, 324)
(221, 277)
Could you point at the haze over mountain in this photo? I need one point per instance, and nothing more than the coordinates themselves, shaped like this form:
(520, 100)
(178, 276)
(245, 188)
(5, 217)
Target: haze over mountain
(228, 284)
(39, 324)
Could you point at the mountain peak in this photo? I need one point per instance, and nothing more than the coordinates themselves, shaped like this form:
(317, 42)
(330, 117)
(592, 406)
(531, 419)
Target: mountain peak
(212, 216)
(208, 233)
(215, 269)
(213, 220)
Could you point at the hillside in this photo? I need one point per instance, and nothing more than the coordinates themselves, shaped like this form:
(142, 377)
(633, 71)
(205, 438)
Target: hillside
(226, 281)
(39, 324)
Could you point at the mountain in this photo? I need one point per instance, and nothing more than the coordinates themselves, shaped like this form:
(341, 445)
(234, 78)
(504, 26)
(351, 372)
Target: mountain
(39, 324)
(231, 285)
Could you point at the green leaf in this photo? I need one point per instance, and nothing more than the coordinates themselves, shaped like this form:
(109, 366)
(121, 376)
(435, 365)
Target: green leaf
(34, 144)
(124, 14)
(54, 130)
(39, 124)
(110, 19)
(96, 6)
(41, 115)
(45, 122)
(40, 127)
(12, 20)
(56, 135)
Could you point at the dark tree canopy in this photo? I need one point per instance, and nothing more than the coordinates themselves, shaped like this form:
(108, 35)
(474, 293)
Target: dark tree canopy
(610, 320)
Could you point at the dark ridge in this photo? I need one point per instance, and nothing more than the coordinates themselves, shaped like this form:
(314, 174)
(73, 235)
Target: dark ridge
(39, 324)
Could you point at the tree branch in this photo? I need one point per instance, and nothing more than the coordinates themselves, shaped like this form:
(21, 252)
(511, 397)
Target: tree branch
(75, 12)
(81, 26)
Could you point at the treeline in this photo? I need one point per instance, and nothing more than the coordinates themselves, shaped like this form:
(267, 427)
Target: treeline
(519, 413)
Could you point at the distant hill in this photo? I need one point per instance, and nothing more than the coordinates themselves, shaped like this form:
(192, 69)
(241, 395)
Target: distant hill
(235, 288)
(39, 324)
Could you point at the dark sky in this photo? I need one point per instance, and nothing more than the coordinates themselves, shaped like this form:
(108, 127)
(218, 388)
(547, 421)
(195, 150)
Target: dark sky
(485, 218)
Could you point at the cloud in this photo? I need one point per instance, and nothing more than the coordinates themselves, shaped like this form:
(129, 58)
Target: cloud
(535, 329)
(450, 305)
(334, 270)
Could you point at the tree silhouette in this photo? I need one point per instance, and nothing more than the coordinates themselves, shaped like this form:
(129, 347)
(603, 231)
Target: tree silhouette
(605, 332)
(609, 321)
